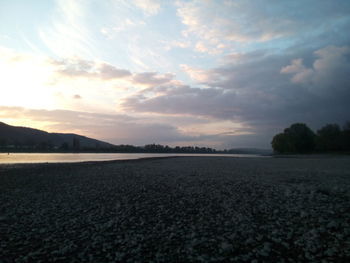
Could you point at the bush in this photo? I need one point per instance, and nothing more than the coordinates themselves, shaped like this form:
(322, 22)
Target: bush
(329, 138)
(298, 138)
(281, 144)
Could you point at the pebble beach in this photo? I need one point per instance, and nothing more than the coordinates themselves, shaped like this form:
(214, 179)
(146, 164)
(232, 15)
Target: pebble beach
(183, 209)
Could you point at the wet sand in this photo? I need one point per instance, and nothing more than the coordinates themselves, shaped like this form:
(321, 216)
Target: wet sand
(185, 209)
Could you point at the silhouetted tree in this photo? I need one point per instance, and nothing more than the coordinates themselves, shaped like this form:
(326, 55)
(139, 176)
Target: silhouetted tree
(298, 138)
(43, 145)
(30, 143)
(17, 144)
(167, 149)
(64, 146)
(346, 136)
(281, 144)
(76, 143)
(3, 142)
(329, 138)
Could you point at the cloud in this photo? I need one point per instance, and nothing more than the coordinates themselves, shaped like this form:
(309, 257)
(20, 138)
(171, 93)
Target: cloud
(115, 128)
(201, 76)
(149, 7)
(184, 100)
(168, 45)
(204, 48)
(270, 64)
(68, 33)
(108, 71)
(122, 25)
(253, 89)
(328, 73)
(77, 96)
(76, 67)
(218, 23)
(239, 21)
(253, 92)
(80, 68)
(152, 78)
(301, 73)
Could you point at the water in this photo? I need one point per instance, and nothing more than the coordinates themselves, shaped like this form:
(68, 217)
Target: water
(13, 158)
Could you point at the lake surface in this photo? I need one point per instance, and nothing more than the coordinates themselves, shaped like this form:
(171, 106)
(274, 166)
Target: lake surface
(13, 158)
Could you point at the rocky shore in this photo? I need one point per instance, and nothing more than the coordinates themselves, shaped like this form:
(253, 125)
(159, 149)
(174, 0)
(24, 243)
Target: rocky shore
(186, 209)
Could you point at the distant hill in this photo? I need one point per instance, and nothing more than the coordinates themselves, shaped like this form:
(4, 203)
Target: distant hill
(23, 137)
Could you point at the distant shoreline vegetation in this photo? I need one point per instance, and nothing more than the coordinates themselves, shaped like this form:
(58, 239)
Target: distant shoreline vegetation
(29, 140)
(299, 138)
(125, 148)
(69, 148)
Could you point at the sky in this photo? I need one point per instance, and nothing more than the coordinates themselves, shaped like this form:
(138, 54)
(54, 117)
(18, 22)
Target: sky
(223, 74)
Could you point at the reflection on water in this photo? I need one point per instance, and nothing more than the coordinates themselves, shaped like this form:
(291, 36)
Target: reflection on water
(85, 157)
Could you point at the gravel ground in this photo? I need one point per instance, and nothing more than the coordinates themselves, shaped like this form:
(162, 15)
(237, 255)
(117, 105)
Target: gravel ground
(186, 209)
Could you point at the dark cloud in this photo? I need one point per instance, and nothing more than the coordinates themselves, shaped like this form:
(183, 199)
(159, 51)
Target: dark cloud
(268, 93)
(328, 74)
(77, 67)
(109, 72)
(263, 89)
(184, 100)
(297, 69)
(152, 78)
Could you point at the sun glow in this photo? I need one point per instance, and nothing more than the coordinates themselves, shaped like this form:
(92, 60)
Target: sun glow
(25, 82)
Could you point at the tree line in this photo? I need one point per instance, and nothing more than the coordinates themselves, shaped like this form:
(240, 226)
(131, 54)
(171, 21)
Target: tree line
(38, 146)
(75, 146)
(299, 138)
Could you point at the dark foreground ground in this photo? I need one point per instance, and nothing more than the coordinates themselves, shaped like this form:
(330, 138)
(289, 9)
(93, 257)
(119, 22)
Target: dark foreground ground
(188, 209)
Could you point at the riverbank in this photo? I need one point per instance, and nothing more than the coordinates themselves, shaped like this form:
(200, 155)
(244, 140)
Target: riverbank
(184, 209)
(17, 158)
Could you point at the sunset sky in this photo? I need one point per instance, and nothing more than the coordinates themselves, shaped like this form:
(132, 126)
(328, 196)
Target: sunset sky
(212, 73)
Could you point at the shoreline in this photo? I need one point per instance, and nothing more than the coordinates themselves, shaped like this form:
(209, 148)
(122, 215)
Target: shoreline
(188, 209)
(35, 158)
(102, 161)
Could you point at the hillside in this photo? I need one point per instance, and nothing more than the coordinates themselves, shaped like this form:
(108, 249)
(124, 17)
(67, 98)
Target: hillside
(23, 137)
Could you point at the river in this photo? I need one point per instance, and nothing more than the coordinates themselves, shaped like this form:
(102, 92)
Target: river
(14, 158)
